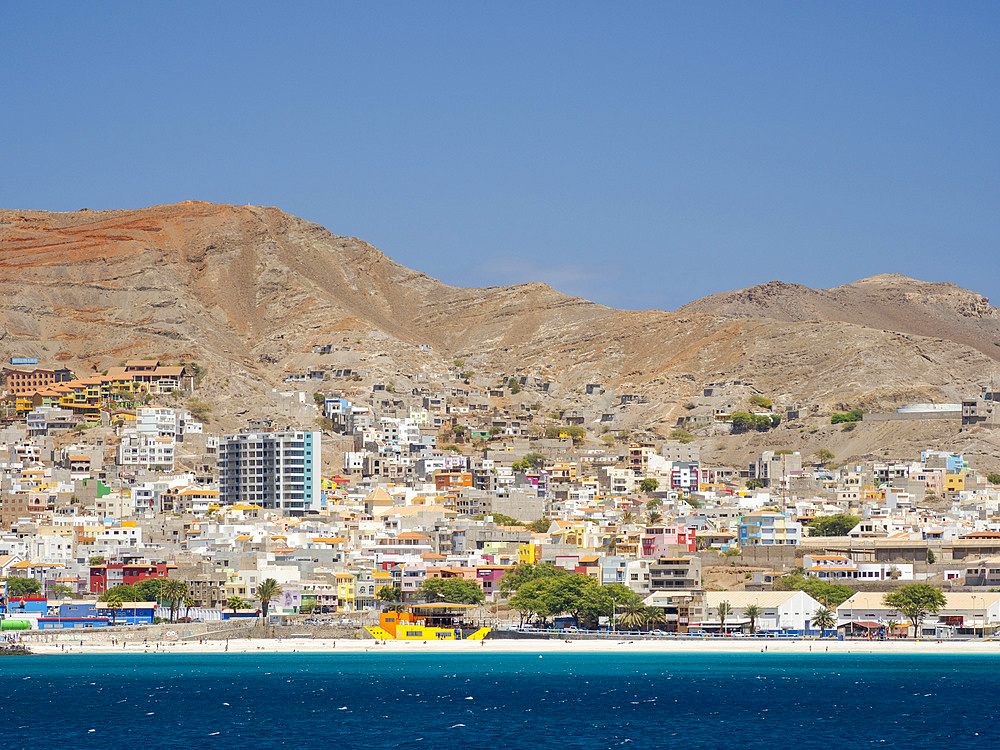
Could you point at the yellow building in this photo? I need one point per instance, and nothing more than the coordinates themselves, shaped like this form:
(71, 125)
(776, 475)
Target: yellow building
(427, 622)
(529, 554)
(954, 482)
(345, 591)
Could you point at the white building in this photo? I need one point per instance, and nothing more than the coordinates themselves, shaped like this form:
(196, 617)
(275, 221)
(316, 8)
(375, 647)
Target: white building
(145, 450)
(779, 610)
(842, 567)
(962, 614)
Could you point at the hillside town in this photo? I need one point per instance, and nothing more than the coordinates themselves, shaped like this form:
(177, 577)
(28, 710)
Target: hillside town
(471, 503)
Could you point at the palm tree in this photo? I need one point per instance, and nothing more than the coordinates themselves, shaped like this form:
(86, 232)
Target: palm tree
(266, 591)
(628, 517)
(752, 612)
(655, 517)
(824, 619)
(655, 617)
(173, 591)
(634, 616)
(725, 609)
(891, 627)
(114, 605)
(188, 603)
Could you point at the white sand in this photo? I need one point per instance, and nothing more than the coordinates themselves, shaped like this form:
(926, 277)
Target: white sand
(540, 646)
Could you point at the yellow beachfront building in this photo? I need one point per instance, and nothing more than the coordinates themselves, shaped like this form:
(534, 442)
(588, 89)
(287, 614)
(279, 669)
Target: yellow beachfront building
(426, 622)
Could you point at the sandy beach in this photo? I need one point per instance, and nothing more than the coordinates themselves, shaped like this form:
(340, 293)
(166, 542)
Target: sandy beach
(67, 644)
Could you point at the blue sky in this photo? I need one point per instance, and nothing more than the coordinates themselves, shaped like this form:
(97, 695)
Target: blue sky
(638, 154)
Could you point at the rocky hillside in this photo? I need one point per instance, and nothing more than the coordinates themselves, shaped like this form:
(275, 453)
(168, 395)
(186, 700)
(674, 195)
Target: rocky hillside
(888, 301)
(250, 290)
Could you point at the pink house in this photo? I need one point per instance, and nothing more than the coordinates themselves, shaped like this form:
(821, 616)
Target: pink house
(657, 540)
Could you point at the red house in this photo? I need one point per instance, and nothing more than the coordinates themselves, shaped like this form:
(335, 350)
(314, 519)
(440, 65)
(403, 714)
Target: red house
(104, 577)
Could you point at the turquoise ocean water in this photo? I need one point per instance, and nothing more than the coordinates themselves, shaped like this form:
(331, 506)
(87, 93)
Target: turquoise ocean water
(833, 702)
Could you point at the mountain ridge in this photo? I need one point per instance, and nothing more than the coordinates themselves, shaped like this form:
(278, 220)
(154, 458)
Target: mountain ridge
(253, 289)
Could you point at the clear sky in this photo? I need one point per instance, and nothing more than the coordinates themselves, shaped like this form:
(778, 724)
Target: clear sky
(640, 154)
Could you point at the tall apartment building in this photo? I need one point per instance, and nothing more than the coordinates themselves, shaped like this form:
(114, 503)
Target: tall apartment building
(275, 470)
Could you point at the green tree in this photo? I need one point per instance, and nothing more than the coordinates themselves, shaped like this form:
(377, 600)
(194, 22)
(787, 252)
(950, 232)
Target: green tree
(681, 435)
(993, 478)
(534, 460)
(579, 596)
(531, 599)
(824, 619)
(539, 526)
(236, 603)
(97, 560)
(915, 601)
(122, 592)
(188, 603)
(148, 590)
(755, 484)
(23, 588)
(855, 415)
(499, 519)
(761, 401)
(648, 485)
(742, 422)
(838, 525)
(389, 594)
(724, 609)
(520, 574)
(554, 431)
(655, 517)
(267, 590)
(60, 591)
(752, 612)
(823, 456)
(452, 590)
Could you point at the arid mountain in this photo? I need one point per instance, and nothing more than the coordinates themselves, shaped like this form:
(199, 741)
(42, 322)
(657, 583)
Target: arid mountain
(888, 301)
(249, 291)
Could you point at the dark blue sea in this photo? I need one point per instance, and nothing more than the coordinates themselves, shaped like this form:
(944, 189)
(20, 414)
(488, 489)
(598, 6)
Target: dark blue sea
(302, 701)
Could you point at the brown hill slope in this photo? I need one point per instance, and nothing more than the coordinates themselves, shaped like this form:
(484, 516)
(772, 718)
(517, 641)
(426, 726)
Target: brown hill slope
(888, 301)
(254, 288)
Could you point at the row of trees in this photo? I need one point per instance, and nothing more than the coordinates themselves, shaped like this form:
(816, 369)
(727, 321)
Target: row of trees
(174, 593)
(744, 422)
(838, 525)
(545, 591)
